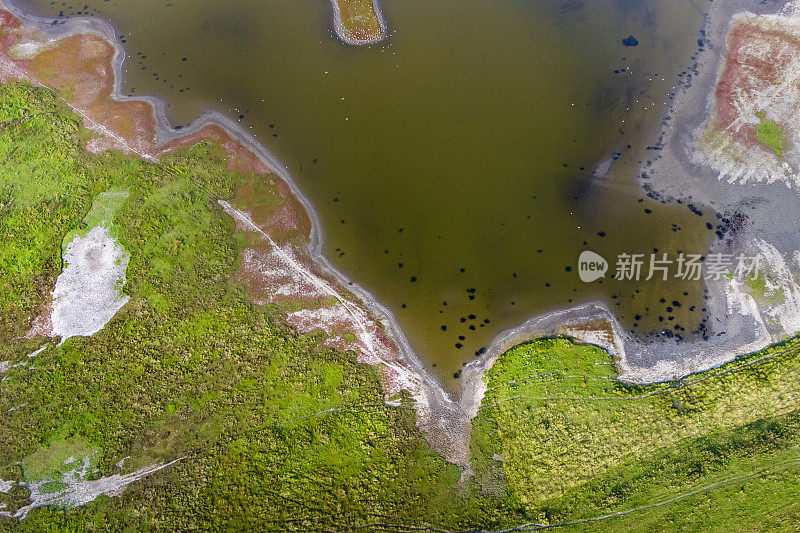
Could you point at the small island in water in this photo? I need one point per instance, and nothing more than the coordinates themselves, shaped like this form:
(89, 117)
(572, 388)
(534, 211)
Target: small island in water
(358, 21)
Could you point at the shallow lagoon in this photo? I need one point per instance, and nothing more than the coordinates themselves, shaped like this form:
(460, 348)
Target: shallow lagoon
(452, 162)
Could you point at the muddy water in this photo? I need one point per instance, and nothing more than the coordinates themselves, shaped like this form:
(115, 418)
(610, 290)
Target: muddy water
(450, 164)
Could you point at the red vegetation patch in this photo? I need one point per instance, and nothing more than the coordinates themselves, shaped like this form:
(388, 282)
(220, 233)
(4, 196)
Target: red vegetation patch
(7, 20)
(756, 59)
(281, 273)
(240, 159)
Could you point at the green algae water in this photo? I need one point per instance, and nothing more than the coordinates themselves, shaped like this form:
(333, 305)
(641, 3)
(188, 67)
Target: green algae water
(451, 164)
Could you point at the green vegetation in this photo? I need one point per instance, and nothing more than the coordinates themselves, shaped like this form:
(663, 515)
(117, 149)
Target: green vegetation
(577, 443)
(277, 432)
(761, 292)
(104, 209)
(44, 192)
(51, 461)
(770, 134)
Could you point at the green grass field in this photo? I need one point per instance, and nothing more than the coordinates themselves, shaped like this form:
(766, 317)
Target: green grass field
(576, 443)
(279, 433)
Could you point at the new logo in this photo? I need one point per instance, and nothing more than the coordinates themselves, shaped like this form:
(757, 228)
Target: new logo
(591, 266)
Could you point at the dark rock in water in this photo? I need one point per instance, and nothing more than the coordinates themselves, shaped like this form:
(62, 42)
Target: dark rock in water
(630, 41)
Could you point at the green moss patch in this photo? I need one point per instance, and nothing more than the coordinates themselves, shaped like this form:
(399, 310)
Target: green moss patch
(58, 457)
(760, 291)
(769, 133)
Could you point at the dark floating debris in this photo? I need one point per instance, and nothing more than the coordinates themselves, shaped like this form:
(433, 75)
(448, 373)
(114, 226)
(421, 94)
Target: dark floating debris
(630, 41)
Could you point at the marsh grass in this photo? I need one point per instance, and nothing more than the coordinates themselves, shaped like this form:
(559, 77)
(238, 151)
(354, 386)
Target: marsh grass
(578, 443)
